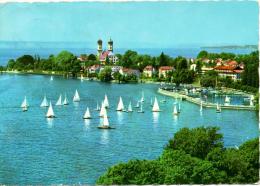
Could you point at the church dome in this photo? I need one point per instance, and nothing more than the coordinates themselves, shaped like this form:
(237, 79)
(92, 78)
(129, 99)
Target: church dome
(110, 41)
(99, 41)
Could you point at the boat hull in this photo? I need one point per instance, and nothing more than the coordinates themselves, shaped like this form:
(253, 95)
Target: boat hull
(105, 127)
(50, 116)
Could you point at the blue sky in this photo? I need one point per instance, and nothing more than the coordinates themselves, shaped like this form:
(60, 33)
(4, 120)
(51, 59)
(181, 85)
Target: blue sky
(133, 25)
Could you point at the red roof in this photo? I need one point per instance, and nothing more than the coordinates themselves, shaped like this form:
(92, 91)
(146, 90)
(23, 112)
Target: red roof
(104, 55)
(148, 68)
(164, 68)
(229, 69)
(231, 63)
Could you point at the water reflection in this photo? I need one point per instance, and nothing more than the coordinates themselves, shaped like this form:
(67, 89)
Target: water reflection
(175, 118)
(120, 117)
(155, 117)
(86, 124)
(104, 137)
(50, 122)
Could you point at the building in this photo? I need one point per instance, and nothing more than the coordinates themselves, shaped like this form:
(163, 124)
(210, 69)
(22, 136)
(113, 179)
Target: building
(205, 69)
(148, 71)
(163, 70)
(233, 72)
(105, 55)
(128, 71)
(94, 69)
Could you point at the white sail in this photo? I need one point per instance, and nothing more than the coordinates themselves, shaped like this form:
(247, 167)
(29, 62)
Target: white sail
(106, 102)
(137, 105)
(25, 103)
(76, 97)
(201, 106)
(218, 108)
(65, 102)
(141, 108)
(105, 120)
(51, 78)
(142, 98)
(120, 106)
(59, 102)
(101, 113)
(179, 110)
(81, 77)
(155, 106)
(98, 108)
(87, 114)
(130, 107)
(175, 111)
(44, 102)
(50, 113)
(227, 99)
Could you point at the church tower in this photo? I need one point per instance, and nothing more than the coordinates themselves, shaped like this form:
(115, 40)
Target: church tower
(110, 45)
(99, 48)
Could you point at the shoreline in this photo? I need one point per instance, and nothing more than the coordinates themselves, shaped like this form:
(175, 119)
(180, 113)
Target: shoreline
(204, 104)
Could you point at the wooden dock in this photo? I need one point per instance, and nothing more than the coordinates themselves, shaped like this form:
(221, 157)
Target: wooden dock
(204, 104)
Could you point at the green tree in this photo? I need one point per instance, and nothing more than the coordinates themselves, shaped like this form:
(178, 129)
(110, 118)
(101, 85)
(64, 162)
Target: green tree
(202, 54)
(92, 57)
(105, 74)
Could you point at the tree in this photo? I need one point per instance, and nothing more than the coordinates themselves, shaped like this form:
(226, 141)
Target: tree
(105, 74)
(202, 54)
(92, 57)
(65, 60)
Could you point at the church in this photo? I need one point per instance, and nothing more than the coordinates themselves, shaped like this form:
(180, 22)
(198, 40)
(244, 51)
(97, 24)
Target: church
(104, 55)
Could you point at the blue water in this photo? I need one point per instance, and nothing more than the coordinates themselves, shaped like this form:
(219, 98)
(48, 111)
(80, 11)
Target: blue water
(70, 150)
(13, 50)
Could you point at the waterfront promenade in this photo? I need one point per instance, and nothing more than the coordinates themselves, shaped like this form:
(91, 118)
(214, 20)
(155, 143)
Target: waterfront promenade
(204, 104)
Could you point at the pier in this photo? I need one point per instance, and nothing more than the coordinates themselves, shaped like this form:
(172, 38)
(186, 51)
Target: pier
(204, 104)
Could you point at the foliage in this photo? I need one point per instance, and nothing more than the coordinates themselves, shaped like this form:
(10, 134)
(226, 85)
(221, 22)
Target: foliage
(209, 79)
(105, 74)
(193, 156)
(92, 57)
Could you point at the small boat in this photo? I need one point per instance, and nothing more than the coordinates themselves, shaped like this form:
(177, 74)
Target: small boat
(142, 98)
(101, 113)
(227, 99)
(151, 103)
(130, 107)
(156, 107)
(218, 109)
(81, 78)
(76, 97)
(87, 114)
(106, 103)
(164, 100)
(201, 106)
(50, 113)
(179, 109)
(24, 105)
(59, 102)
(137, 104)
(141, 109)
(105, 121)
(120, 106)
(98, 108)
(44, 102)
(65, 102)
(175, 111)
(51, 79)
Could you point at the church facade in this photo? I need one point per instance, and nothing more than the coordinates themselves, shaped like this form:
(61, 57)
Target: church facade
(106, 56)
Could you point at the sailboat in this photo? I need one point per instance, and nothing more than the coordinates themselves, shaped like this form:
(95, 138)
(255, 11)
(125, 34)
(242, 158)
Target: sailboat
(65, 102)
(76, 97)
(175, 111)
(102, 110)
(179, 109)
(81, 78)
(106, 103)
(51, 79)
(59, 102)
(227, 99)
(120, 106)
(142, 98)
(105, 121)
(50, 113)
(156, 106)
(141, 109)
(151, 102)
(130, 107)
(201, 106)
(87, 114)
(164, 100)
(44, 102)
(218, 109)
(137, 104)
(98, 108)
(25, 105)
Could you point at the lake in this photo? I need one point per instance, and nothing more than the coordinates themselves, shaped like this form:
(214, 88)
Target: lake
(70, 150)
